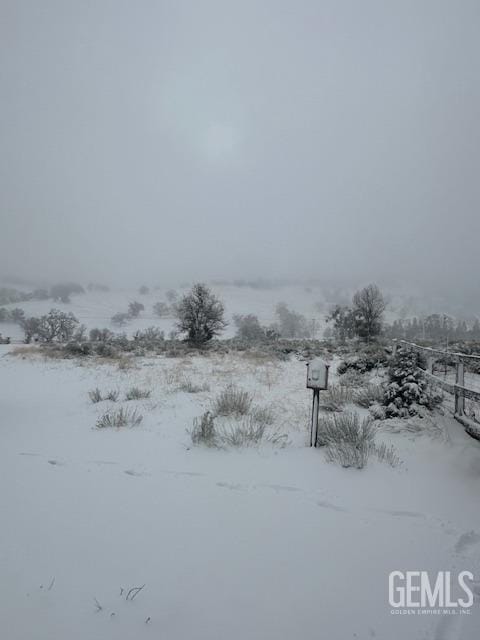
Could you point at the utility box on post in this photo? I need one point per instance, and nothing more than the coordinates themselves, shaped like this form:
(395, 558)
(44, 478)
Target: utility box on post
(317, 374)
(317, 379)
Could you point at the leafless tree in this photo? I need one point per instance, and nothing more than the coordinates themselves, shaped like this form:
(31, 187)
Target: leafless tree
(368, 307)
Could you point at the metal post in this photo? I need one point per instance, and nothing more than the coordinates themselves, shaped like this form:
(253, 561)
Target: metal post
(460, 381)
(314, 428)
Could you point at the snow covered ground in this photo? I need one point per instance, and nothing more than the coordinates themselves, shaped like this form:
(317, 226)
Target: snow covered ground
(267, 543)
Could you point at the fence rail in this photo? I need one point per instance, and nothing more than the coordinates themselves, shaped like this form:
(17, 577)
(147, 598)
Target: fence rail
(455, 355)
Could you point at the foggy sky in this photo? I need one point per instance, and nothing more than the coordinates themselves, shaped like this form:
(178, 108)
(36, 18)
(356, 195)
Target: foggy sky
(163, 140)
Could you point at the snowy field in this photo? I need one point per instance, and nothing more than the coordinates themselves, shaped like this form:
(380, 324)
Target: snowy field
(95, 309)
(260, 543)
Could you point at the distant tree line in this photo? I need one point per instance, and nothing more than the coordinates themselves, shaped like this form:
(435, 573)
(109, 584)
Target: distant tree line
(60, 292)
(434, 327)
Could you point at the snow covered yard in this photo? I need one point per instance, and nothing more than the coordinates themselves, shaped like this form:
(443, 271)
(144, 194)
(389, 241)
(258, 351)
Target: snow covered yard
(257, 543)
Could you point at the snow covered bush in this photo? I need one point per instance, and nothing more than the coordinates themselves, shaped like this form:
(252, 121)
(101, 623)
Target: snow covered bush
(75, 349)
(407, 390)
(377, 411)
(100, 335)
(364, 360)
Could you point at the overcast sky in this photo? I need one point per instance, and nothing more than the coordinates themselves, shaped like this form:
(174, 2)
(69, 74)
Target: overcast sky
(150, 140)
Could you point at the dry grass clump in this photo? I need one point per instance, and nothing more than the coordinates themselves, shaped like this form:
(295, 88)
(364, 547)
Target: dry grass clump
(26, 351)
(335, 398)
(262, 415)
(245, 433)
(232, 402)
(248, 433)
(387, 455)
(96, 395)
(351, 378)
(188, 386)
(135, 393)
(120, 418)
(203, 431)
(350, 441)
(369, 395)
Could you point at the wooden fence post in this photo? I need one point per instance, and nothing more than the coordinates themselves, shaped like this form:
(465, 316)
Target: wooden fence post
(430, 362)
(460, 381)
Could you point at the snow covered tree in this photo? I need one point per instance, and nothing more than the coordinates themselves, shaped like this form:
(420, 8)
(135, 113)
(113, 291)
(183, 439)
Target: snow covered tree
(200, 314)
(407, 389)
(172, 296)
(64, 290)
(368, 307)
(249, 328)
(292, 324)
(56, 326)
(161, 309)
(343, 323)
(134, 309)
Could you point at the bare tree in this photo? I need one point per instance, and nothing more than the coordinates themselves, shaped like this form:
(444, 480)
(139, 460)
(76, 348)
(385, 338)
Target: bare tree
(368, 307)
(200, 315)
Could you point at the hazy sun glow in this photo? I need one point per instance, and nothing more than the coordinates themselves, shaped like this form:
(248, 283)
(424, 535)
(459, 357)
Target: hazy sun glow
(220, 142)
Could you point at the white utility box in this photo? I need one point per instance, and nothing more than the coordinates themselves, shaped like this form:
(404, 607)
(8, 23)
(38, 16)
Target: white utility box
(317, 374)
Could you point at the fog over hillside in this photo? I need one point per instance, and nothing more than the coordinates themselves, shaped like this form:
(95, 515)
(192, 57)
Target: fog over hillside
(164, 141)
